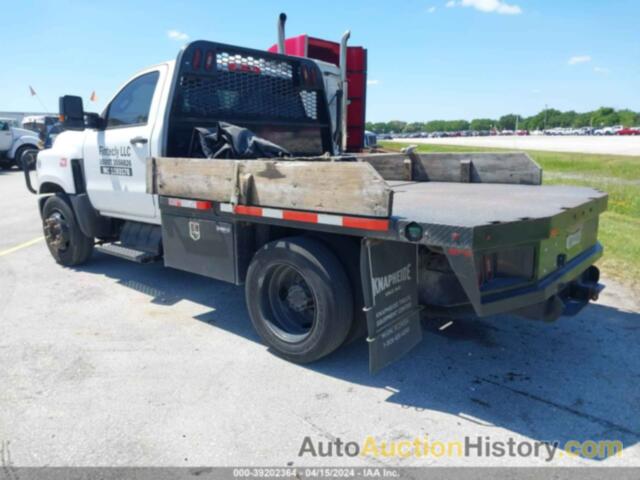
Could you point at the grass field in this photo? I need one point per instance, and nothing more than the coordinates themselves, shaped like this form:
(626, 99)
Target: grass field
(619, 176)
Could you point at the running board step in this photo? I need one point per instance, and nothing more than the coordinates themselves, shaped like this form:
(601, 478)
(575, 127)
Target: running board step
(128, 253)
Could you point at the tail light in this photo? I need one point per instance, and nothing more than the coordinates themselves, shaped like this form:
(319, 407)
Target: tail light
(506, 267)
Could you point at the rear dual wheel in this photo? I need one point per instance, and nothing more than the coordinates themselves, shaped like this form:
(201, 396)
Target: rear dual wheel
(299, 298)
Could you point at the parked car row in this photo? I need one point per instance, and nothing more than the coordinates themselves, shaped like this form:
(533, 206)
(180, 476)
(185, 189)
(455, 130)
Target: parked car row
(461, 133)
(616, 130)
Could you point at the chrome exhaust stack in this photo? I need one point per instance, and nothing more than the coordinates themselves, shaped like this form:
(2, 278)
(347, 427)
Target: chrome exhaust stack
(282, 19)
(344, 87)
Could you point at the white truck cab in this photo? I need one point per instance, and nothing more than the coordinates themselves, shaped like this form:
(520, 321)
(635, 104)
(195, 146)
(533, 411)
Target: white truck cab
(133, 132)
(131, 129)
(114, 155)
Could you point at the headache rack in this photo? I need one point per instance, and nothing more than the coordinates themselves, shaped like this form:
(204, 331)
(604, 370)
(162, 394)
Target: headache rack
(280, 98)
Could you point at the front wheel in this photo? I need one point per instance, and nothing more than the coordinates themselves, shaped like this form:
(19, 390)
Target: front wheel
(26, 157)
(66, 242)
(299, 298)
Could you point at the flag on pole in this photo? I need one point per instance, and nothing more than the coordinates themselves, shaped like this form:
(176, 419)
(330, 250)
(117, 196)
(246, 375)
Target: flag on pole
(35, 94)
(93, 97)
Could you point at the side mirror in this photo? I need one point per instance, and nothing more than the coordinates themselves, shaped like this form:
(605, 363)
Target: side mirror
(93, 121)
(72, 112)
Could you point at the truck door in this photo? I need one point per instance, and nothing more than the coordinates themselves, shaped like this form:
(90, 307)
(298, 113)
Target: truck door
(6, 138)
(115, 157)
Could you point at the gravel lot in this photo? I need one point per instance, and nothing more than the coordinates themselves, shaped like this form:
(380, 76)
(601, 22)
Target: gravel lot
(119, 364)
(581, 144)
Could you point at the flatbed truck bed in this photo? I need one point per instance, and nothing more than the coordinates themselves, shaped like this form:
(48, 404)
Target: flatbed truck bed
(477, 204)
(510, 245)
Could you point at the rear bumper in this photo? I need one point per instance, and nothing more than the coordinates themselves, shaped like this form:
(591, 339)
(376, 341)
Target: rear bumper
(564, 292)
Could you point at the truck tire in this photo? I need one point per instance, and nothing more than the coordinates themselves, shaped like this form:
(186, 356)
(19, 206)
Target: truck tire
(299, 298)
(23, 156)
(66, 242)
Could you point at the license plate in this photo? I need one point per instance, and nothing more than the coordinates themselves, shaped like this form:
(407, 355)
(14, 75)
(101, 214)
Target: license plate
(574, 238)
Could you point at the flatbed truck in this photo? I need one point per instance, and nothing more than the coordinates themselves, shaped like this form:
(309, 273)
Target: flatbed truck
(330, 245)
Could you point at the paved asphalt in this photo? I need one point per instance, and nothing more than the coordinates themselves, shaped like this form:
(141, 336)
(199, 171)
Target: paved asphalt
(119, 364)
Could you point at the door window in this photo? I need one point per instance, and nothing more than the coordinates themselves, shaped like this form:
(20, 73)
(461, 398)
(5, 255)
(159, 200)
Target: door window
(131, 106)
(4, 126)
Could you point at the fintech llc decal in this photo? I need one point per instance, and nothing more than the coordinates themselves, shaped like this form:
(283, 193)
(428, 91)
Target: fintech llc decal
(115, 161)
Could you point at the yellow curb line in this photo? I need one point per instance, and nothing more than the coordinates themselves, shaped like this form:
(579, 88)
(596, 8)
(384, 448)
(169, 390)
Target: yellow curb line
(21, 246)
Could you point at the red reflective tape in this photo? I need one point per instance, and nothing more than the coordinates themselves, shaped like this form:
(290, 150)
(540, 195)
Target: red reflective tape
(245, 210)
(365, 223)
(459, 251)
(300, 216)
(197, 204)
(312, 217)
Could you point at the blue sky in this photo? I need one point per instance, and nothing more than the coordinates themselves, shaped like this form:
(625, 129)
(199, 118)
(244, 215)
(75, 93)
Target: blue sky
(428, 59)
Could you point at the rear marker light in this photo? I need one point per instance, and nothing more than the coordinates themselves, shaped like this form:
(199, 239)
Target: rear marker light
(197, 59)
(208, 61)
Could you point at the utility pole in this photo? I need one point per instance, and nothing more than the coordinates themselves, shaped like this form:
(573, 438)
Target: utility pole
(545, 116)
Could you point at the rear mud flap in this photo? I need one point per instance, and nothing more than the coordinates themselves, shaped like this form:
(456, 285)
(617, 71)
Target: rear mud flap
(389, 272)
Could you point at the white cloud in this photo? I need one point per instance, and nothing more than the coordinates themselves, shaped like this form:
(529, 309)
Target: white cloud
(576, 59)
(177, 35)
(602, 70)
(431, 9)
(487, 6)
(373, 82)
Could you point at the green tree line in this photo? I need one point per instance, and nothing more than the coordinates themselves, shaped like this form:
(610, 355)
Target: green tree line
(548, 118)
